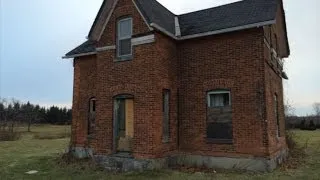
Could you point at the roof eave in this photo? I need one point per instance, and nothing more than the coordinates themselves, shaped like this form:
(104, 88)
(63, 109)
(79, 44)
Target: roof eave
(286, 33)
(78, 55)
(105, 23)
(237, 28)
(284, 75)
(161, 29)
(96, 19)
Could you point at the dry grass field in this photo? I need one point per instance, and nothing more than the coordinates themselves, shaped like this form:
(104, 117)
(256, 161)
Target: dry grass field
(41, 150)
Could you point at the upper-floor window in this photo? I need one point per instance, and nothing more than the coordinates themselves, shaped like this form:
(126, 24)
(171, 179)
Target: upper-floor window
(124, 35)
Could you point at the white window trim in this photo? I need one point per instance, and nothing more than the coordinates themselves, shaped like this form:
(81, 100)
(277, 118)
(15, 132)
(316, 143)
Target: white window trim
(143, 40)
(218, 92)
(123, 38)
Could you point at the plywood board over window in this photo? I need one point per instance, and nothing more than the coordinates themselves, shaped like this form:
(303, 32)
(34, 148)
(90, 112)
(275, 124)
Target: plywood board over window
(129, 118)
(124, 124)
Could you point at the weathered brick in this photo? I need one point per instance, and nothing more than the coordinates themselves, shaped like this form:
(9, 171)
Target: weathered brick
(238, 61)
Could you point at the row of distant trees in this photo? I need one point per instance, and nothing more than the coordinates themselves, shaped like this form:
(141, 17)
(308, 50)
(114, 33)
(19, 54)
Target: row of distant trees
(308, 122)
(14, 112)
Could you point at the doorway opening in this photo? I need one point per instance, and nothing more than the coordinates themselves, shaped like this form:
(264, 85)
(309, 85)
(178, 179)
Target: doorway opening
(123, 123)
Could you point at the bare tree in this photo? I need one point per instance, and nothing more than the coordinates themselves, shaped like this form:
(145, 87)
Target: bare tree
(3, 114)
(316, 108)
(289, 110)
(9, 114)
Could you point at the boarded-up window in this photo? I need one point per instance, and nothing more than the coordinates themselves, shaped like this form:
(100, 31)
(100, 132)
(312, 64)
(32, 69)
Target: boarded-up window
(92, 116)
(276, 113)
(219, 116)
(165, 111)
(122, 117)
(123, 123)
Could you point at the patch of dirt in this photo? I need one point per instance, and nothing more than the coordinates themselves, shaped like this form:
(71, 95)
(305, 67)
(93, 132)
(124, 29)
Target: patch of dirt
(297, 157)
(194, 170)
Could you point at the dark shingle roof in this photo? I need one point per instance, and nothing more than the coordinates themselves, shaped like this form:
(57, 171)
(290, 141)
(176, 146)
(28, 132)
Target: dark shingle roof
(227, 16)
(236, 14)
(86, 47)
(154, 12)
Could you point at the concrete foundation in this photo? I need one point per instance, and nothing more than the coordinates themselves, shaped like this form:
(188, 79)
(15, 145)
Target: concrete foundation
(128, 163)
(122, 164)
(81, 152)
(249, 164)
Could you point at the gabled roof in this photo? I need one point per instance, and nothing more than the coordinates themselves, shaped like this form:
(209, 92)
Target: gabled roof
(97, 17)
(237, 14)
(231, 17)
(87, 48)
(156, 13)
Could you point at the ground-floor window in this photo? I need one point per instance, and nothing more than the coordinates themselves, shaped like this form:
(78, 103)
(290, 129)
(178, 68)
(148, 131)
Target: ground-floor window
(166, 117)
(92, 116)
(276, 113)
(219, 116)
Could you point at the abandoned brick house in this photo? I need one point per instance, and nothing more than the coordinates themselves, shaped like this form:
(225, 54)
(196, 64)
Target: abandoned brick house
(198, 89)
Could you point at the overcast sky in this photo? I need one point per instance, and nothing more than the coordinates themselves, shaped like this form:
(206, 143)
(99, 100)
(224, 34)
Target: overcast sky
(35, 34)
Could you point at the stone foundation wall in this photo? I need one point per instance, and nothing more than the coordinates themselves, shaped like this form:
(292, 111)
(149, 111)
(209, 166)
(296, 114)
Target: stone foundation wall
(126, 164)
(81, 152)
(120, 164)
(250, 164)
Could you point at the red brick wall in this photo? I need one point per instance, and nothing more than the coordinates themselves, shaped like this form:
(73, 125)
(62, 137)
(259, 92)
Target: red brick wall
(273, 84)
(189, 68)
(152, 69)
(124, 8)
(233, 61)
(144, 77)
(166, 68)
(84, 89)
(129, 77)
(277, 29)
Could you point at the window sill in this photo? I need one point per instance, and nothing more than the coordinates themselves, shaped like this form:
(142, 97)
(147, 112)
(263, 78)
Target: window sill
(123, 59)
(166, 141)
(279, 138)
(90, 137)
(220, 141)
